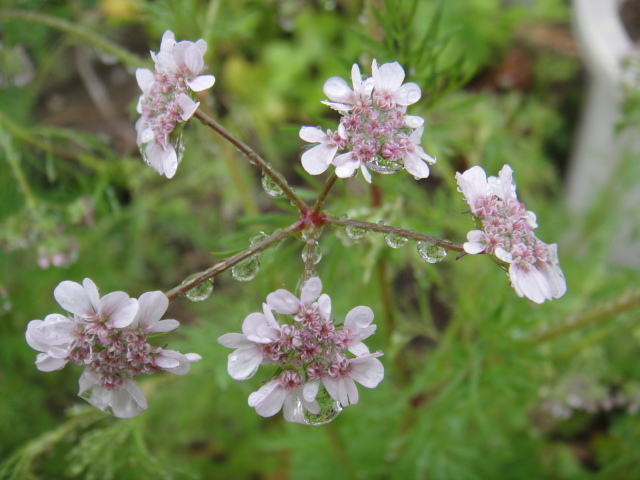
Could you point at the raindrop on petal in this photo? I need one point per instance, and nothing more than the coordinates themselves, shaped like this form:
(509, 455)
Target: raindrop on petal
(247, 269)
(430, 252)
(199, 292)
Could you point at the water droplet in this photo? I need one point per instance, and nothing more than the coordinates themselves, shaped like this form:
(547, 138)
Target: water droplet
(431, 252)
(270, 186)
(199, 292)
(394, 240)
(384, 165)
(329, 409)
(247, 269)
(317, 253)
(258, 237)
(355, 232)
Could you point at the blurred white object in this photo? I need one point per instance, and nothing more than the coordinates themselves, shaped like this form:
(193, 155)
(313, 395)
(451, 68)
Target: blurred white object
(604, 43)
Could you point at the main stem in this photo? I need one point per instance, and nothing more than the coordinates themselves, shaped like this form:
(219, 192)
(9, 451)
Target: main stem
(253, 157)
(227, 263)
(446, 244)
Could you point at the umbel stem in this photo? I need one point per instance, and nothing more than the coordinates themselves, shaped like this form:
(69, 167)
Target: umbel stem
(253, 157)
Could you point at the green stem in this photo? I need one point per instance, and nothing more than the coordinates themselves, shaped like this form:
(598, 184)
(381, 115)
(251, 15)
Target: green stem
(253, 157)
(446, 244)
(14, 163)
(591, 316)
(227, 263)
(78, 31)
(325, 191)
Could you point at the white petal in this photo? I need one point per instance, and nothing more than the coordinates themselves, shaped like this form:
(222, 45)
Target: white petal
(283, 301)
(235, 340)
(367, 370)
(313, 135)
(201, 82)
(268, 400)
(310, 291)
(324, 305)
(46, 363)
(407, 94)
(144, 76)
(118, 308)
(244, 362)
(474, 248)
(187, 106)
(74, 299)
(388, 77)
(415, 166)
(151, 307)
(413, 121)
(316, 160)
(173, 362)
(365, 173)
(346, 165)
(337, 90)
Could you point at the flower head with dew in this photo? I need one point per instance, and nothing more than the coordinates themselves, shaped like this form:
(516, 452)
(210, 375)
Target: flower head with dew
(318, 363)
(507, 231)
(108, 336)
(375, 133)
(168, 100)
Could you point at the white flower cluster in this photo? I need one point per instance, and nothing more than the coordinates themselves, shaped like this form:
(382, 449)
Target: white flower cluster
(108, 336)
(374, 133)
(314, 371)
(166, 100)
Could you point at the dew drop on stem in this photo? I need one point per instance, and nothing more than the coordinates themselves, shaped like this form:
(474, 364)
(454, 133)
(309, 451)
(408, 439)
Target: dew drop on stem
(247, 269)
(394, 240)
(430, 252)
(199, 292)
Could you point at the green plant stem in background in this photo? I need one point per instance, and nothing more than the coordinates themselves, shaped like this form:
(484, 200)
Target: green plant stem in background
(14, 163)
(82, 33)
(376, 227)
(226, 264)
(253, 158)
(594, 315)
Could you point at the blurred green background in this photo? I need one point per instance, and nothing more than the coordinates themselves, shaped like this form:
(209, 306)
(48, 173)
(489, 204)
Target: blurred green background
(479, 384)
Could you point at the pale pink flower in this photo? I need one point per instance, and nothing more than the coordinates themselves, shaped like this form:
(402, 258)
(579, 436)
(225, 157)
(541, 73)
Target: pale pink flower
(507, 233)
(343, 99)
(259, 330)
(283, 392)
(166, 100)
(115, 309)
(285, 302)
(388, 88)
(365, 369)
(375, 133)
(109, 336)
(308, 349)
(317, 159)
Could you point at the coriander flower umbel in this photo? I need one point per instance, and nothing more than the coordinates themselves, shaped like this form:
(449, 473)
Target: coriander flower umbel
(507, 233)
(168, 100)
(315, 377)
(375, 133)
(108, 336)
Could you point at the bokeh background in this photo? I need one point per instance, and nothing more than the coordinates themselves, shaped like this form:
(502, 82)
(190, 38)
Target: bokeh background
(479, 384)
